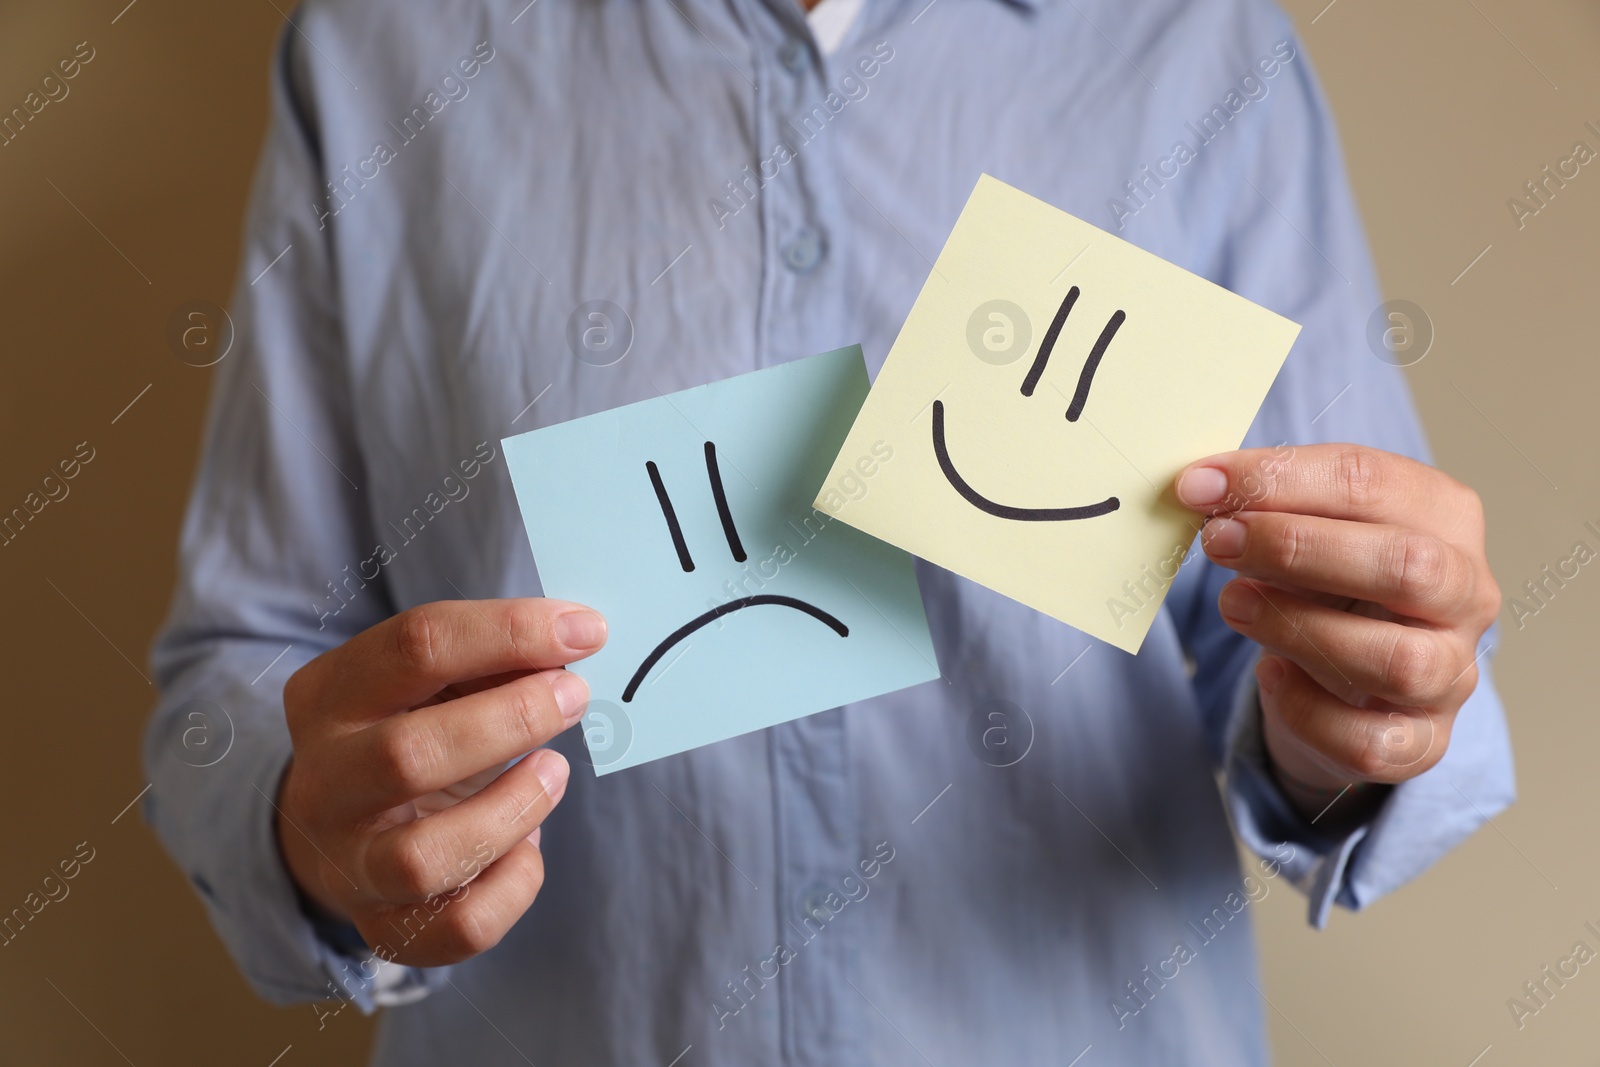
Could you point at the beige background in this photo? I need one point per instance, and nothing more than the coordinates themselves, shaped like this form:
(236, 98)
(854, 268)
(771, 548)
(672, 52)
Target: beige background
(1444, 117)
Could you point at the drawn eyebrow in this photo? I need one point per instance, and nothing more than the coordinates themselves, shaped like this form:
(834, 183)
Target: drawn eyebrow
(1049, 342)
(1086, 378)
(722, 504)
(670, 515)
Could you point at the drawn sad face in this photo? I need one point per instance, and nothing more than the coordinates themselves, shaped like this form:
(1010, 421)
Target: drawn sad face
(736, 547)
(730, 469)
(1080, 397)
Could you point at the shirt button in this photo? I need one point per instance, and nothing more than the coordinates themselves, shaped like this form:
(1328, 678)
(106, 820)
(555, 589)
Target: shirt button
(793, 55)
(812, 904)
(804, 251)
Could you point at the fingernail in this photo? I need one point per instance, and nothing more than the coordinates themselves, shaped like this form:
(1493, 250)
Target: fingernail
(552, 772)
(571, 693)
(1202, 486)
(1240, 603)
(1223, 538)
(1269, 672)
(581, 630)
(533, 838)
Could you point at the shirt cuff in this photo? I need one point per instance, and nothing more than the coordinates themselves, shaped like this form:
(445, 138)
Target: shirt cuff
(287, 955)
(1269, 823)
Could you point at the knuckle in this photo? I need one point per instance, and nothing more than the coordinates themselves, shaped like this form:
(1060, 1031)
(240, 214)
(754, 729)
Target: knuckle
(1395, 751)
(414, 634)
(302, 797)
(296, 689)
(529, 869)
(523, 806)
(471, 931)
(1360, 477)
(1415, 672)
(1289, 703)
(404, 761)
(1250, 485)
(299, 694)
(1438, 742)
(1292, 544)
(1492, 603)
(1419, 568)
(1490, 600)
(472, 925)
(530, 628)
(408, 870)
(527, 707)
(1373, 761)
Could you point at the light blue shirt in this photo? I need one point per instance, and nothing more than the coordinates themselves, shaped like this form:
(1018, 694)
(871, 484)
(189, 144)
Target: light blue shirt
(442, 185)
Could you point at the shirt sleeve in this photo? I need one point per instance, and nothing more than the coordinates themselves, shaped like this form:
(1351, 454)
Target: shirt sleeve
(1290, 238)
(274, 530)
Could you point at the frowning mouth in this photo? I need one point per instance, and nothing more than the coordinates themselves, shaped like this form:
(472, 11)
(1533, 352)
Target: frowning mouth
(718, 612)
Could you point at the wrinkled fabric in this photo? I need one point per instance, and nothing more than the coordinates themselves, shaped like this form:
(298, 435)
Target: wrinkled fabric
(417, 242)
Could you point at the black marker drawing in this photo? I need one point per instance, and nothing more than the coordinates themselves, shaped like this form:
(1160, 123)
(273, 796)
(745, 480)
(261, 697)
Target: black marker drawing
(1080, 397)
(736, 547)
(722, 504)
(670, 515)
(1049, 342)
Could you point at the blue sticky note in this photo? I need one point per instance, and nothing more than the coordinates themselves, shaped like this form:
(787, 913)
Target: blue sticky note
(733, 604)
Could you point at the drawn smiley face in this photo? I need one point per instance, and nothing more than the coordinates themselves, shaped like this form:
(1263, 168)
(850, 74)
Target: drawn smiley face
(1154, 366)
(1080, 397)
(736, 547)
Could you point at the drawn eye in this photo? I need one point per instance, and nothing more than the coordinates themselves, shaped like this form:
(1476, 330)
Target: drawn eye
(1080, 396)
(717, 493)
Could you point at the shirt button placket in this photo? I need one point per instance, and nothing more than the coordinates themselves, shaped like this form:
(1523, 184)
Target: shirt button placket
(804, 248)
(803, 251)
(794, 55)
(813, 795)
(813, 904)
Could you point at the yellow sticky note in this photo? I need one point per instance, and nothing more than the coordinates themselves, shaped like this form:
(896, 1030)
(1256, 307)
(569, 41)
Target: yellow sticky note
(1045, 391)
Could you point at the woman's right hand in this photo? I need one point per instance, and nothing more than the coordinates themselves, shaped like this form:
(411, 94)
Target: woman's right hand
(421, 702)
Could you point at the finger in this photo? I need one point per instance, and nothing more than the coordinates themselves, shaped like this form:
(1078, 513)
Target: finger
(474, 685)
(1408, 572)
(432, 855)
(1336, 481)
(1353, 656)
(469, 920)
(1379, 745)
(411, 755)
(404, 660)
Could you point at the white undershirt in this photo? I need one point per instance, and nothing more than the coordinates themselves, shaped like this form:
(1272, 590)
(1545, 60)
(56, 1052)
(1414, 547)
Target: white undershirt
(831, 20)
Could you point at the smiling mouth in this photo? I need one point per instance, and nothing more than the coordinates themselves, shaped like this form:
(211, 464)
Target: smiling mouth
(1006, 511)
(718, 612)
